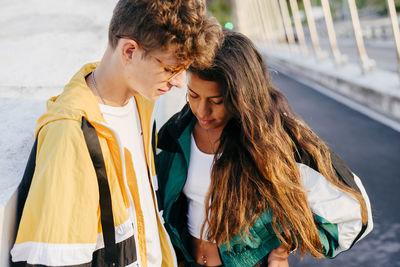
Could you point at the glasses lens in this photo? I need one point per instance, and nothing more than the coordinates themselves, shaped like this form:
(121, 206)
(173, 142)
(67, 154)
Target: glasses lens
(176, 73)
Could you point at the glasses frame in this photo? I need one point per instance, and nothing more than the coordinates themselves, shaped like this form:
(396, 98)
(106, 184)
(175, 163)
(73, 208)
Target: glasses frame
(173, 71)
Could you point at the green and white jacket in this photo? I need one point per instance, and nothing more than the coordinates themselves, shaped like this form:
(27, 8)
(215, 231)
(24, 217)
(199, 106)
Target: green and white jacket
(337, 215)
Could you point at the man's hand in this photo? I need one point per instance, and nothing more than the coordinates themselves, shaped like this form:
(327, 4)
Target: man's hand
(278, 257)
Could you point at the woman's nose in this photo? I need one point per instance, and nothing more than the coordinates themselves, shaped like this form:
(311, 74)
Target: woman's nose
(203, 109)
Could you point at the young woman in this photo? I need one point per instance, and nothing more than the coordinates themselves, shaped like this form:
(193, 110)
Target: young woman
(240, 175)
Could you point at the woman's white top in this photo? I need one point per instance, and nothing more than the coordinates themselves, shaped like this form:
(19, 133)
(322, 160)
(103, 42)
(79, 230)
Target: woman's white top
(126, 123)
(196, 188)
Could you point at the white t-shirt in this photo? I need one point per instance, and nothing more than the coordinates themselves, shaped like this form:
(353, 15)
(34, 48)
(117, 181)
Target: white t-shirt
(196, 188)
(126, 123)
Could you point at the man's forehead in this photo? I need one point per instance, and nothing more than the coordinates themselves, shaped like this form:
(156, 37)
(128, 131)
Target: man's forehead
(169, 56)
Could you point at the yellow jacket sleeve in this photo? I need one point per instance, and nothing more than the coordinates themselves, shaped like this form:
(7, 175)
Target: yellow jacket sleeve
(63, 200)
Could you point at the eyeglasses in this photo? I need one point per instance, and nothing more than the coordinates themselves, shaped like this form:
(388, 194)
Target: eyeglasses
(173, 71)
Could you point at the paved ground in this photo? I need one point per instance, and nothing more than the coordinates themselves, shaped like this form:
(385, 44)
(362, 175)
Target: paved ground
(371, 150)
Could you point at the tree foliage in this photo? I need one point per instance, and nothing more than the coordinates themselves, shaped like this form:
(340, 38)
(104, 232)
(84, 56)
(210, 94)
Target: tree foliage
(221, 9)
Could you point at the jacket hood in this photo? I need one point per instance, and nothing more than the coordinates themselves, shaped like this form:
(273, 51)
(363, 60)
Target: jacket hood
(75, 101)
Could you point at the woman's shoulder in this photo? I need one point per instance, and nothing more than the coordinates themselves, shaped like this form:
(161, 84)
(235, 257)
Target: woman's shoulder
(175, 126)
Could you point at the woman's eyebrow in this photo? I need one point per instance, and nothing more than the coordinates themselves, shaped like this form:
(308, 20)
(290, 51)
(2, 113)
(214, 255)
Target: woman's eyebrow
(190, 89)
(215, 96)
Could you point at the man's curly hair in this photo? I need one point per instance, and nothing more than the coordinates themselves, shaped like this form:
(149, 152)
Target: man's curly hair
(158, 24)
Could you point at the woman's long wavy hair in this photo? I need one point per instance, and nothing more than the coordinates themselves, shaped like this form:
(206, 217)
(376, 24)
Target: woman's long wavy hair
(255, 168)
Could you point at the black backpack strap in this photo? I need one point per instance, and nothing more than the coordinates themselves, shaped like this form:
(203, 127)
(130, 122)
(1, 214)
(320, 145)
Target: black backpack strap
(154, 147)
(107, 220)
(153, 139)
(26, 181)
(343, 172)
(347, 177)
(106, 215)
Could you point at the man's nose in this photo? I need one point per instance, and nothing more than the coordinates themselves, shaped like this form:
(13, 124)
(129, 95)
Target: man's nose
(178, 80)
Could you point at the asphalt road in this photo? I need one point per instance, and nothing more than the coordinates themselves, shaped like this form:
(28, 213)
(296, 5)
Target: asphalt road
(371, 150)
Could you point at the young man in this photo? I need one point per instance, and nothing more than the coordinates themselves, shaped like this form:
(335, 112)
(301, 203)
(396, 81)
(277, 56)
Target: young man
(151, 44)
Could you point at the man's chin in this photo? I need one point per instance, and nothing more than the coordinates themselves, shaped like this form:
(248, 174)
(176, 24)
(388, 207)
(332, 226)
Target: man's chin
(151, 98)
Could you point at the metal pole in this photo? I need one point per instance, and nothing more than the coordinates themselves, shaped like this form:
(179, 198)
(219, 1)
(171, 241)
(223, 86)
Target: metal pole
(277, 14)
(313, 31)
(366, 63)
(339, 57)
(262, 19)
(273, 21)
(299, 28)
(252, 21)
(267, 21)
(396, 31)
(235, 18)
(287, 24)
(258, 25)
(237, 10)
(246, 18)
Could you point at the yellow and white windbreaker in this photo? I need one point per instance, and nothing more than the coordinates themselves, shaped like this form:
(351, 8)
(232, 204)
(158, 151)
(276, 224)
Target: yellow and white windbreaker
(60, 224)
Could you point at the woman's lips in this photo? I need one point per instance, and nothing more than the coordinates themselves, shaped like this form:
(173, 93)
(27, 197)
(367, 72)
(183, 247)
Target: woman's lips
(205, 121)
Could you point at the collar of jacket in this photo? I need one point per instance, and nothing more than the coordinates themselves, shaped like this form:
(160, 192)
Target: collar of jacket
(174, 136)
(77, 101)
(175, 126)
